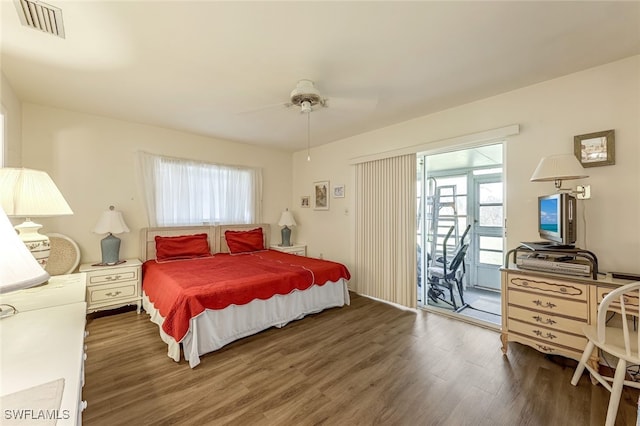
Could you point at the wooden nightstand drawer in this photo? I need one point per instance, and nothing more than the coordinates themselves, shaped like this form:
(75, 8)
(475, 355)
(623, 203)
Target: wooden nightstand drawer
(122, 274)
(107, 294)
(554, 305)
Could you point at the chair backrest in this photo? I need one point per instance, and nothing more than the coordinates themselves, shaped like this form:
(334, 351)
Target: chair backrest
(625, 301)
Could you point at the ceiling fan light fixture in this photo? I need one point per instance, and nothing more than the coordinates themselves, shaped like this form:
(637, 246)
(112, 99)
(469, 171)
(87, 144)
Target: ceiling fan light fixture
(306, 91)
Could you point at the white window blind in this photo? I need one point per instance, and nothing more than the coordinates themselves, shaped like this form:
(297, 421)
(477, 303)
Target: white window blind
(183, 192)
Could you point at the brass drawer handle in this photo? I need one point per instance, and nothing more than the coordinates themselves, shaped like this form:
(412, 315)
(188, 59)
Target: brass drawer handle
(544, 321)
(113, 278)
(117, 293)
(546, 305)
(547, 336)
(545, 348)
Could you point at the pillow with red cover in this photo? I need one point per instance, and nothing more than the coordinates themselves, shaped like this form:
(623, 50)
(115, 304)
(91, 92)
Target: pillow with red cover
(244, 241)
(182, 247)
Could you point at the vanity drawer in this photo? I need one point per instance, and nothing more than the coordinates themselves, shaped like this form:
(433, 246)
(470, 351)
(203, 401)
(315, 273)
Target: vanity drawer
(545, 319)
(548, 335)
(553, 305)
(549, 287)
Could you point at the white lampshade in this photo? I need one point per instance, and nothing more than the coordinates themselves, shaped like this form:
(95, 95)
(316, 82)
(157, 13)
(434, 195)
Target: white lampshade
(18, 268)
(30, 193)
(558, 168)
(286, 219)
(111, 222)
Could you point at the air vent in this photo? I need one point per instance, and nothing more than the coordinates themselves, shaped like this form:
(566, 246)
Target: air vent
(41, 16)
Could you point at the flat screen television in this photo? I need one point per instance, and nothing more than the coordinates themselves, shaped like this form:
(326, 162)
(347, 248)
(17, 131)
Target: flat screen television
(557, 219)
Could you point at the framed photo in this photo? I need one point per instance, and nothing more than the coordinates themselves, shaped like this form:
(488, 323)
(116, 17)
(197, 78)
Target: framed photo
(321, 195)
(595, 149)
(304, 201)
(338, 191)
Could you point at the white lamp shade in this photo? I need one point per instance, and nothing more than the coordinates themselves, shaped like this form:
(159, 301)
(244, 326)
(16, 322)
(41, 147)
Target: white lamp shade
(18, 268)
(558, 167)
(111, 222)
(286, 219)
(30, 193)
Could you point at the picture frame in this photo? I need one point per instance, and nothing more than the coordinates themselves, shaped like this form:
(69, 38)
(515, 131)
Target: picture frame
(304, 201)
(595, 149)
(338, 191)
(321, 195)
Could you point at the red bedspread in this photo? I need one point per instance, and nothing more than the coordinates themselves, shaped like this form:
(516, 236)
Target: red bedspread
(182, 290)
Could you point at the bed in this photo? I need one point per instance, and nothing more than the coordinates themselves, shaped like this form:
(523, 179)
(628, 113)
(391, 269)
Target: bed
(207, 286)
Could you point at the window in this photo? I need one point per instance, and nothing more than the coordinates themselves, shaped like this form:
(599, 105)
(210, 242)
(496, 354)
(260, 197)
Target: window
(184, 192)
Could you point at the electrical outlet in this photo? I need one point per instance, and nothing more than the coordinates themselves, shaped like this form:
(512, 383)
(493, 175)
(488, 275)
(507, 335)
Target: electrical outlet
(584, 192)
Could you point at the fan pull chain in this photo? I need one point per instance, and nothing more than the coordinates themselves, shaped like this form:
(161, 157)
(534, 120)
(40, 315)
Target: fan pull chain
(308, 136)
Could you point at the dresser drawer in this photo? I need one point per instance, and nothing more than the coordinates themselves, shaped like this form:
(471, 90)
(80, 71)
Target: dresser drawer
(553, 305)
(545, 319)
(115, 293)
(548, 335)
(121, 274)
(630, 301)
(547, 347)
(549, 287)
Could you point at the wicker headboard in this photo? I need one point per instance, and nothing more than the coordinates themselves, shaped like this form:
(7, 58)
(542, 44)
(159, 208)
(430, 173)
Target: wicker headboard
(215, 236)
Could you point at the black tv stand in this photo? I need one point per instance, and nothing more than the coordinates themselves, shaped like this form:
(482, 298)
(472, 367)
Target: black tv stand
(546, 245)
(571, 253)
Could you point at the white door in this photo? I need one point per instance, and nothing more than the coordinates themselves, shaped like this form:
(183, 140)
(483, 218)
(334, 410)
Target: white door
(488, 232)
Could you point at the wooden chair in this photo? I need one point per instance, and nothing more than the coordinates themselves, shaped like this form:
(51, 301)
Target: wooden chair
(617, 336)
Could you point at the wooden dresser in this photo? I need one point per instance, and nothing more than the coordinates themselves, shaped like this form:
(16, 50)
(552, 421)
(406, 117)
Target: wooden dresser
(548, 311)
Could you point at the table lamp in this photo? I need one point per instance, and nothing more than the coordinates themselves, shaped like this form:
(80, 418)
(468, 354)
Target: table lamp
(286, 220)
(18, 268)
(110, 222)
(31, 193)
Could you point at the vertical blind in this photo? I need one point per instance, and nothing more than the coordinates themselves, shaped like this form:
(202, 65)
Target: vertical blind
(386, 229)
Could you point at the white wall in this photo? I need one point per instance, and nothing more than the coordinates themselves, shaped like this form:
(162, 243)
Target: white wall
(12, 108)
(550, 115)
(93, 161)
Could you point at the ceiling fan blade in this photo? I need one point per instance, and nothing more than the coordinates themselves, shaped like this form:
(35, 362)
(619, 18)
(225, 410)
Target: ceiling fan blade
(282, 105)
(365, 104)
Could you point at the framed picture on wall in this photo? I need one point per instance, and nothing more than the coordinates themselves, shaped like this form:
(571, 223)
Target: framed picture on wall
(338, 191)
(304, 201)
(321, 195)
(595, 149)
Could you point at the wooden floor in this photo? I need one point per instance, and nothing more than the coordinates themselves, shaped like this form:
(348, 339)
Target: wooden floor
(369, 363)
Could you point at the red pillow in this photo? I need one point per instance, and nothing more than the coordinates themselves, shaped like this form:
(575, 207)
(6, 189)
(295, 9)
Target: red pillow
(244, 241)
(182, 247)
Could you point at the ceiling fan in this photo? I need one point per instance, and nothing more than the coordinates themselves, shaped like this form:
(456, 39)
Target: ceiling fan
(308, 98)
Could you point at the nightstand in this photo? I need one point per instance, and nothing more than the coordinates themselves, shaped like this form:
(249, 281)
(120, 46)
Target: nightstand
(113, 286)
(297, 249)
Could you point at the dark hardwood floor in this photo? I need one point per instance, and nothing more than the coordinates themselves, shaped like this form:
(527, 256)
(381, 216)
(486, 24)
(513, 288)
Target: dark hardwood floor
(368, 363)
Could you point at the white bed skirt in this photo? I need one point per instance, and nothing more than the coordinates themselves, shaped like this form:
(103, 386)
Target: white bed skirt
(213, 329)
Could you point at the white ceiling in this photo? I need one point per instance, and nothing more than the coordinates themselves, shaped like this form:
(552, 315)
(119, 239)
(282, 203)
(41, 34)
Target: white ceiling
(211, 67)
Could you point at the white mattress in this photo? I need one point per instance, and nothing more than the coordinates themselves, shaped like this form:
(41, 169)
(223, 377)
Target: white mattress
(213, 329)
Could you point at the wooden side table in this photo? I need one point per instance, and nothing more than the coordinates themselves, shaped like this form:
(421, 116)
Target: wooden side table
(113, 286)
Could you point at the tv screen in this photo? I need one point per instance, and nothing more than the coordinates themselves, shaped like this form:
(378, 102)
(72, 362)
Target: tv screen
(557, 218)
(549, 215)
